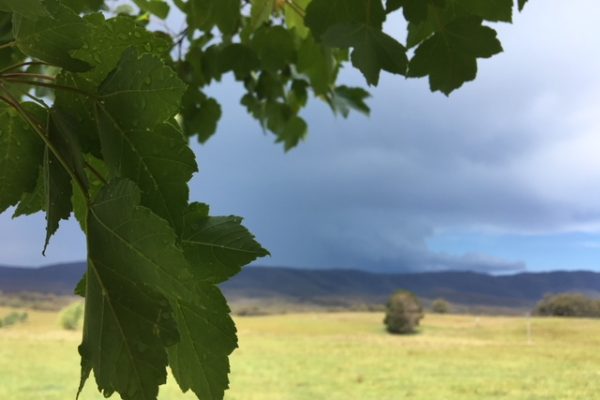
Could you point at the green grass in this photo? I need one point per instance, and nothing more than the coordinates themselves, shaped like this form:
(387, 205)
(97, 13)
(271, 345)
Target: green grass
(347, 356)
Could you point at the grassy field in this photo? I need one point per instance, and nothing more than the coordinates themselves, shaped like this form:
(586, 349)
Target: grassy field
(347, 356)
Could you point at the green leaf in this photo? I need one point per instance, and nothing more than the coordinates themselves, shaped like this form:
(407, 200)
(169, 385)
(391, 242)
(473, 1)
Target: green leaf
(373, 50)
(271, 87)
(135, 100)
(31, 9)
(417, 33)
(97, 175)
(81, 286)
(260, 12)
(205, 14)
(217, 247)
(141, 92)
(58, 189)
(274, 47)
(52, 38)
(298, 95)
(79, 105)
(58, 183)
(393, 5)
(124, 348)
(294, 130)
(522, 4)
(346, 98)
(33, 201)
(239, 58)
(450, 57)
(414, 10)
(133, 251)
(295, 20)
(207, 336)
(6, 35)
(357, 24)
(317, 63)
(80, 6)
(9, 55)
(322, 15)
(157, 160)
(490, 10)
(63, 131)
(20, 158)
(156, 7)
(108, 39)
(57, 193)
(132, 259)
(200, 115)
(440, 15)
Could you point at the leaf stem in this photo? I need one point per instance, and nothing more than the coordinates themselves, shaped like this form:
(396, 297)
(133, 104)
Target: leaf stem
(95, 172)
(37, 100)
(27, 75)
(10, 100)
(32, 97)
(296, 8)
(23, 64)
(50, 85)
(8, 44)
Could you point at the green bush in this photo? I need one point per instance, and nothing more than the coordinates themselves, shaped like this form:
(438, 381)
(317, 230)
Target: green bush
(403, 313)
(70, 317)
(568, 305)
(440, 306)
(13, 318)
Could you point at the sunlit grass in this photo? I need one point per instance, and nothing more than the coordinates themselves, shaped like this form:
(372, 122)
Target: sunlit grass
(348, 356)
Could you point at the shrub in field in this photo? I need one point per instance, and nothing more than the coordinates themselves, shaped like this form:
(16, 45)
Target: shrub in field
(13, 318)
(568, 305)
(70, 317)
(403, 313)
(440, 306)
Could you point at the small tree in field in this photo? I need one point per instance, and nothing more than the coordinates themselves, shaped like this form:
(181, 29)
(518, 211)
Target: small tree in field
(440, 306)
(403, 313)
(70, 317)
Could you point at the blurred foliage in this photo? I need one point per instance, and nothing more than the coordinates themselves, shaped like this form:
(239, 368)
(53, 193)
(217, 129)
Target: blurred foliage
(403, 313)
(13, 318)
(72, 316)
(568, 305)
(440, 306)
(34, 301)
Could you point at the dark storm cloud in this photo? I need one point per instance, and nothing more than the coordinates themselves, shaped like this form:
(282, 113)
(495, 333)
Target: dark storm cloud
(370, 192)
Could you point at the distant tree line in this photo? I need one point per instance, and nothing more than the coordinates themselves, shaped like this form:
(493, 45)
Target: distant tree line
(35, 301)
(568, 305)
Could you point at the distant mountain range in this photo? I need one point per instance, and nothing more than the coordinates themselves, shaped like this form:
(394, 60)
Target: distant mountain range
(338, 286)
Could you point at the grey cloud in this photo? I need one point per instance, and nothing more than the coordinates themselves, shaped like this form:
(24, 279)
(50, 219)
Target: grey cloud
(369, 192)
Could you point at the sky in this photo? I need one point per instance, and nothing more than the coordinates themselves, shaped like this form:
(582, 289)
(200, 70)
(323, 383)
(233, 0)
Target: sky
(501, 177)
